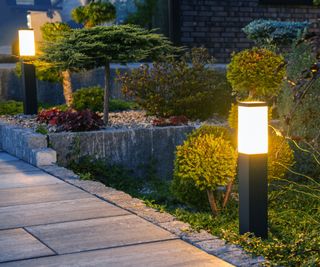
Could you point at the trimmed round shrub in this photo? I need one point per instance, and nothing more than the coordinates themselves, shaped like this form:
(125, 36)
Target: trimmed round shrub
(256, 73)
(89, 98)
(206, 160)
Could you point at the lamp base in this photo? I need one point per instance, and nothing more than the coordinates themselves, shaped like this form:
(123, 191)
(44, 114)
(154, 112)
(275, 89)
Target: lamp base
(30, 102)
(253, 194)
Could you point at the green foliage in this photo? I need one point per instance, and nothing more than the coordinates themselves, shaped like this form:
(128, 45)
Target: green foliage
(121, 105)
(41, 130)
(88, 98)
(208, 159)
(97, 46)
(175, 87)
(280, 156)
(53, 31)
(304, 116)
(274, 33)
(256, 73)
(144, 14)
(95, 13)
(11, 107)
(316, 2)
(92, 98)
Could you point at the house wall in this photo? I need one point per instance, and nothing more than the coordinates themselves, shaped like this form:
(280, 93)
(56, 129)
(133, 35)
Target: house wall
(217, 24)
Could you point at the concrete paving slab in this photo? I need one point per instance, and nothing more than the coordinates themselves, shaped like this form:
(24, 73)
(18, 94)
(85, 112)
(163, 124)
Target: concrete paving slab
(40, 194)
(99, 233)
(35, 178)
(16, 166)
(54, 212)
(6, 157)
(160, 254)
(17, 244)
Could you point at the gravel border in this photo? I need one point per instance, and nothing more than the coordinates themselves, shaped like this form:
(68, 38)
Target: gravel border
(203, 240)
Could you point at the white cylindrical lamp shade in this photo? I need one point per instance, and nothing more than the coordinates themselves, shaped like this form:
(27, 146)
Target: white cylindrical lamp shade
(252, 128)
(26, 43)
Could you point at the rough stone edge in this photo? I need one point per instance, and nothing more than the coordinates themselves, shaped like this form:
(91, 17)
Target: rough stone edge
(202, 240)
(34, 151)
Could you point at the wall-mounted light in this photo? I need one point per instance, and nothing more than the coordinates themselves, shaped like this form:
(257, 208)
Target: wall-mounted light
(27, 50)
(252, 167)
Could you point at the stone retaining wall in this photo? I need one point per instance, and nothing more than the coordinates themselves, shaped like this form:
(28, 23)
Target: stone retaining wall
(26, 145)
(135, 149)
(139, 150)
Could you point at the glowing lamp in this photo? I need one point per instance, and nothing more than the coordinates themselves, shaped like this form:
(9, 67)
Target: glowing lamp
(26, 43)
(252, 128)
(27, 49)
(252, 168)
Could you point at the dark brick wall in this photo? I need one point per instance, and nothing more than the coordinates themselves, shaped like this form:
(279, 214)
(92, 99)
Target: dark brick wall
(217, 24)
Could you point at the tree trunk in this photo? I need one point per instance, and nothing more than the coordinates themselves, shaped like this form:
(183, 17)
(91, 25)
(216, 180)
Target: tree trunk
(212, 201)
(67, 87)
(227, 195)
(106, 94)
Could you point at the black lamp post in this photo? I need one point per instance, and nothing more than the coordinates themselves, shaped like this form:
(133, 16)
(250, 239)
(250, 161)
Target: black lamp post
(252, 167)
(28, 72)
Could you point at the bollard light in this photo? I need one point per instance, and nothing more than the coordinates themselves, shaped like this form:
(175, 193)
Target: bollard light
(26, 43)
(27, 49)
(252, 167)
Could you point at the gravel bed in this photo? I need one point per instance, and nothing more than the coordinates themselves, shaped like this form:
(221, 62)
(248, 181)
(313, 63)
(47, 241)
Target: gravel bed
(117, 120)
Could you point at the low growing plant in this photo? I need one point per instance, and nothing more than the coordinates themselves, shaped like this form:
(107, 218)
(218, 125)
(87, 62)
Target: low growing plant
(71, 120)
(92, 98)
(11, 107)
(179, 87)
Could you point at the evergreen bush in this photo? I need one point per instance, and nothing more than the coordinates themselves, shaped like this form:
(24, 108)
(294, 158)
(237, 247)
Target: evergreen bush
(256, 74)
(176, 87)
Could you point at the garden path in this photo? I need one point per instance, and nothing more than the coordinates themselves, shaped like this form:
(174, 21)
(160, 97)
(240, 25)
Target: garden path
(45, 221)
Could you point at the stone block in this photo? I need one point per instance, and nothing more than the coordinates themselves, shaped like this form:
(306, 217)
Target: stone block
(43, 157)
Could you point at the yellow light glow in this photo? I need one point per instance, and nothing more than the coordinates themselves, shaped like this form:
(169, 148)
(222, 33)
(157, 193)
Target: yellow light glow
(26, 43)
(252, 128)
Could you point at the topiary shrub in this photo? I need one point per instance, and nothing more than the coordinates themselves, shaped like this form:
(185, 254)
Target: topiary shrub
(178, 88)
(207, 159)
(88, 98)
(275, 33)
(256, 73)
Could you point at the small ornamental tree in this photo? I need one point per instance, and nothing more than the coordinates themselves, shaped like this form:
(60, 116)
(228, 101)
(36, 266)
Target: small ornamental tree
(95, 13)
(209, 159)
(256, 74)
(99, 46)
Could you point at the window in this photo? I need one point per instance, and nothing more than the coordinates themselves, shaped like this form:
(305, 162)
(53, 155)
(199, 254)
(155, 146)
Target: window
(286, 2)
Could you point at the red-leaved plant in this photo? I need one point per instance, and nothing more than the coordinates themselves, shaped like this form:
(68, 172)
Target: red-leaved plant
(71, 120)
(172, 121)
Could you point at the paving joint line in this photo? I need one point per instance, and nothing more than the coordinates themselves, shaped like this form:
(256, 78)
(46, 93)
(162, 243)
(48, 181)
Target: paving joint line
(79, 220)
(42, 242)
